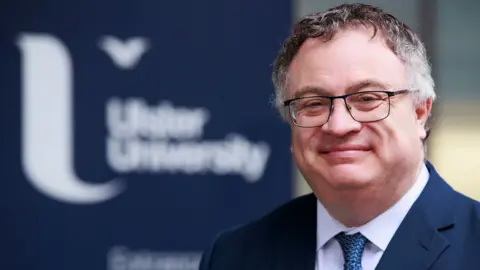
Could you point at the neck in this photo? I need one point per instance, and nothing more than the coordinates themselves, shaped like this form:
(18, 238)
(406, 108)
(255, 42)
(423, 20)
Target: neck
(354, 208)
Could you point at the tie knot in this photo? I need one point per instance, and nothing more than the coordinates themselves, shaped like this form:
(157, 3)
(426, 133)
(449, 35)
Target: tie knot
(352, 247)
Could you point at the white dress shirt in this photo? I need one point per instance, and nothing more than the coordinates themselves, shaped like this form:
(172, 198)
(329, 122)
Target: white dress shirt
(379, 231)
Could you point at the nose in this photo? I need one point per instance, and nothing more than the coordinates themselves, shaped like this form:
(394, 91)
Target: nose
(340, 122)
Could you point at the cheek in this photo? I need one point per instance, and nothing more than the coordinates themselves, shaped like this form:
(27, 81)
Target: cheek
(302, 138)
(386, 132)
(393, 136)
(305, 142)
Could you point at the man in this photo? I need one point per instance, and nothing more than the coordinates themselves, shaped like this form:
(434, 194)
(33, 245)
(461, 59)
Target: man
(355, 85)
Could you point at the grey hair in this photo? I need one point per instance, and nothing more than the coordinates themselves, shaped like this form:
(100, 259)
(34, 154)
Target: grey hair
(402, 40)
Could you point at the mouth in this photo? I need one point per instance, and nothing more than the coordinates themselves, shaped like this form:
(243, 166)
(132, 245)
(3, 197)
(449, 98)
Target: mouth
(346, 148)
(345, 152)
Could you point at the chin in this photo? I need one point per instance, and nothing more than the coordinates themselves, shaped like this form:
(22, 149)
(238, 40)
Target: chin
(349, 175)
(349, 180)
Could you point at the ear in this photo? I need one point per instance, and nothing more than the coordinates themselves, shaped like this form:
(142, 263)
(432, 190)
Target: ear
(422, 112)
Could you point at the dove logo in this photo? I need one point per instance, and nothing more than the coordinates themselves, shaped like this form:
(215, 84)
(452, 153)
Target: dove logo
(125, 55)
(47, 154)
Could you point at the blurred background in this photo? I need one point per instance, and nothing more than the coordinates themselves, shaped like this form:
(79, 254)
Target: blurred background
(135, 131)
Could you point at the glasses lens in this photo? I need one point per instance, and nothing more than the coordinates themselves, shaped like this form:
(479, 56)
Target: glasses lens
(369, 106)
(310, 112)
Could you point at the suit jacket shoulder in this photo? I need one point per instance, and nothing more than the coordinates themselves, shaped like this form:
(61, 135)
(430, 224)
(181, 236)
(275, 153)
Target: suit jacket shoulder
(244, 244)
(440, 232)
(467, 220)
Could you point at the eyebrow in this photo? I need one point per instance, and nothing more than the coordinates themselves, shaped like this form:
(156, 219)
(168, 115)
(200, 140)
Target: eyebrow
(358, 86)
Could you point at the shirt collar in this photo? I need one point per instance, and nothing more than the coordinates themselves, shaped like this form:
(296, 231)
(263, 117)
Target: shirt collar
(387, 222)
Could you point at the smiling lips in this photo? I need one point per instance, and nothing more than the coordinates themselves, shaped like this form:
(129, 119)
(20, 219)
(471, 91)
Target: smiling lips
(345, 151)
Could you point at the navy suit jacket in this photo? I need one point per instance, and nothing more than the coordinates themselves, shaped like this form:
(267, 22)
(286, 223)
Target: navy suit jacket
(440, 232)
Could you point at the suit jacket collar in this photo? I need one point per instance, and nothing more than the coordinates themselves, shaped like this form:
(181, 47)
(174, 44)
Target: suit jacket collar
(416, 245)
(418, 242)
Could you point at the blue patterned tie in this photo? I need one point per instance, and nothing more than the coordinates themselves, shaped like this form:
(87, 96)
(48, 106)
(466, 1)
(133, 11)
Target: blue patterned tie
(352, 247)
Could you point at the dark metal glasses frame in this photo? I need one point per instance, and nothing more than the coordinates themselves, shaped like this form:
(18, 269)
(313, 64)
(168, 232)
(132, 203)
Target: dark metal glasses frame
(389, 94)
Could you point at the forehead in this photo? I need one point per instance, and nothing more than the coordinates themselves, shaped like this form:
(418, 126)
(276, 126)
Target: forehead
(350, 58)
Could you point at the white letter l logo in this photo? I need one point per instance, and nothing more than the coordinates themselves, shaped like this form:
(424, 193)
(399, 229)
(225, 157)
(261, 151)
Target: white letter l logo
(47, 153)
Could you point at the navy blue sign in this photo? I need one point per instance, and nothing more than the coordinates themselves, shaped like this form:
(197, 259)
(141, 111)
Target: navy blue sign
(134, 131)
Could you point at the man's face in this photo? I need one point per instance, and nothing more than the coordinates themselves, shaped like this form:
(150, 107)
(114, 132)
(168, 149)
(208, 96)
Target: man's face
(369, 154)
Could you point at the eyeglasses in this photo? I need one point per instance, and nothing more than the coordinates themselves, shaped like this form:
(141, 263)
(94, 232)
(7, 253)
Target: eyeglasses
(364, 107)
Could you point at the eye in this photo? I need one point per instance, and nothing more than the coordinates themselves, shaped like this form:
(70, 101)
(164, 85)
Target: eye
(367, 97)
(312, 103)
(316, 102)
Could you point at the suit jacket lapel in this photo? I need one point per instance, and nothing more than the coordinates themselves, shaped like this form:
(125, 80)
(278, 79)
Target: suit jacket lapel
(418, 242)
(295, 239)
